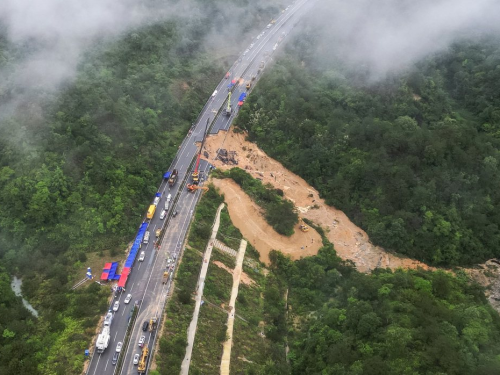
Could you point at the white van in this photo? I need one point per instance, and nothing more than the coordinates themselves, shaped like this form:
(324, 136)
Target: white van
(167, 204)
(146, 237)
(142, 256)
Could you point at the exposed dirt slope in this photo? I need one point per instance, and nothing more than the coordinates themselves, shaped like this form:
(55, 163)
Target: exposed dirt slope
(351, 242)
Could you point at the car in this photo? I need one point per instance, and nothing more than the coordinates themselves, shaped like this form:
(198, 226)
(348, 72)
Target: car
(146, 237)
(227, 75)
(158, 232)
(163, 214)
(174, 214)
(141, 341)
(128, 298)
(115, 358)
(116, 306)
(251, 45)
(145, 326)
(268, 26)
(246, 51)
(142, 256)
(214, 93)
(136, 358)
(119, 347)
(259, 36)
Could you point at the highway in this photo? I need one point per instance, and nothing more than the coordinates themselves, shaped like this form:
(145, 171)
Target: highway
(145, 279)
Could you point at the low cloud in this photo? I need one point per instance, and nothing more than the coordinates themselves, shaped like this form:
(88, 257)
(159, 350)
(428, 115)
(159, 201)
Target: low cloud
(389, 35)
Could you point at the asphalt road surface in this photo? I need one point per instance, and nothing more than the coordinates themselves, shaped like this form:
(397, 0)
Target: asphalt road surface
(145, 280)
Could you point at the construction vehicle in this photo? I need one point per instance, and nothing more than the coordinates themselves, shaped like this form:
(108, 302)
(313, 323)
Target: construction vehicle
(192, 188)
(103, 340)
(228, 109)
(157, 199)
(249, 84)
(196, 173)
(173, 177)
(141, 367)
(152, 324)
(165, 277)
(158, 232)
(151, 212)
(303, 226)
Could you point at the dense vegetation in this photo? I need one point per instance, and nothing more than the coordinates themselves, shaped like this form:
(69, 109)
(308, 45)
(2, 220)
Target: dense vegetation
(77, 169)
(279, 212)
(412, 159)
(397, 323)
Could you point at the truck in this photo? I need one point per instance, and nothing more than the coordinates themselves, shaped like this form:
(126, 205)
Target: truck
(152, 324)
(165, 277)
(108, 319)
(241, 99)
(151, 212)
(103, 340)
(141, 367)
(157, 199)
(173, 178)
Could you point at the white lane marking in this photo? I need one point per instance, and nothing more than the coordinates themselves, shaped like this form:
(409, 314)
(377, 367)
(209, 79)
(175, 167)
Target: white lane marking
(97, 364)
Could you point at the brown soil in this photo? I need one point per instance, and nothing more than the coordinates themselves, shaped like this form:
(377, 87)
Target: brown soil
(244, 278)
(350, 241)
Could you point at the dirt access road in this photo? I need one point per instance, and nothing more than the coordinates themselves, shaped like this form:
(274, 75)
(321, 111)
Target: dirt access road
(350, 241)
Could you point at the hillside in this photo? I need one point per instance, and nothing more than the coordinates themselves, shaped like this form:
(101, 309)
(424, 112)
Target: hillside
(412, 159)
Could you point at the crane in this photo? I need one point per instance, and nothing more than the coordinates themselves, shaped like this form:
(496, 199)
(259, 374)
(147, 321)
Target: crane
(228, 108)
(196, 173)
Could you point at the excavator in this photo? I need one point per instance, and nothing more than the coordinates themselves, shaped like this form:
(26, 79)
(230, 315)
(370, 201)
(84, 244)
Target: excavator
(192, 188)
(303, 226)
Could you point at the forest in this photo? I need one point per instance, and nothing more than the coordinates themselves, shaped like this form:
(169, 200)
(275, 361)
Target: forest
(78, 167)
(404, 322)
(412, 159)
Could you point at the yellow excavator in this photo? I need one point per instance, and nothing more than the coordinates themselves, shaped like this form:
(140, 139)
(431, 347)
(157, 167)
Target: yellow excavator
(192, 188)
(303, 226)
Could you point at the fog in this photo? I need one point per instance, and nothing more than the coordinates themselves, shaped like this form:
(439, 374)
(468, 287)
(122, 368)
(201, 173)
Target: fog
(388, 36)
(52, 36)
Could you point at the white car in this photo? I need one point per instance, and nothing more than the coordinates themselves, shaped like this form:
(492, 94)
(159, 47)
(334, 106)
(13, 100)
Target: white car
(142, 256)
(251, 45)
(268, 26)
(163, 214)
(214, 93)
(116, 306)
(119, 347)
(141, 341)
(246, 51)
(136, 358)
(128, 298)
